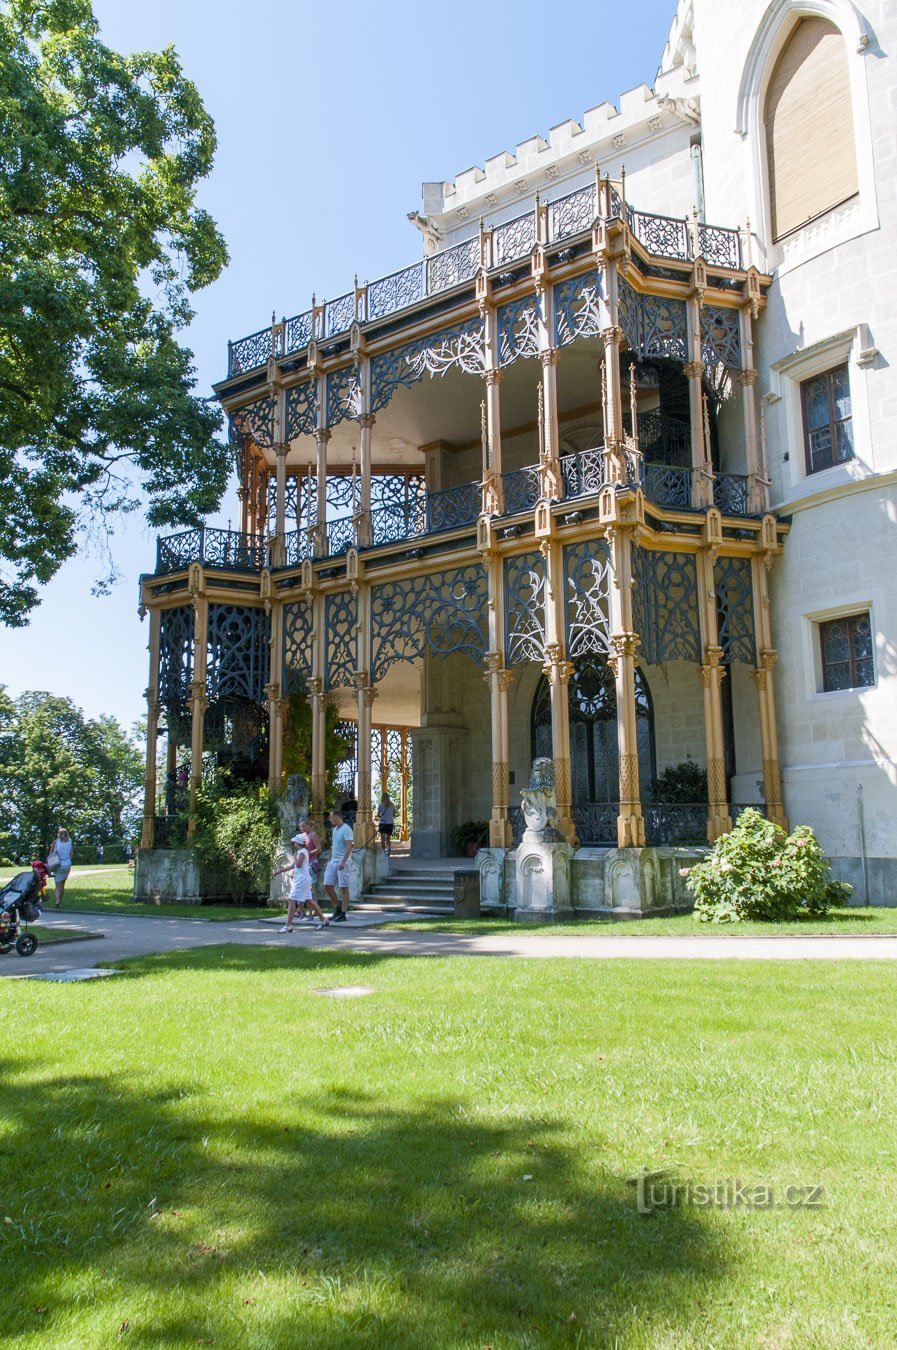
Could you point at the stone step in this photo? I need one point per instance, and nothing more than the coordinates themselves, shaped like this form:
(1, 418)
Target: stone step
(416, 884)
(379, 905)
(423, 896)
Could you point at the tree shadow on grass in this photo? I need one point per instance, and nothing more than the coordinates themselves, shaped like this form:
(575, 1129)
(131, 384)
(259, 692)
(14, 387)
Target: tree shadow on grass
(325, 1217)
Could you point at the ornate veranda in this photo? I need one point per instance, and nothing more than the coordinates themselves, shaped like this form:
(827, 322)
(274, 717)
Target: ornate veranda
(650, 544)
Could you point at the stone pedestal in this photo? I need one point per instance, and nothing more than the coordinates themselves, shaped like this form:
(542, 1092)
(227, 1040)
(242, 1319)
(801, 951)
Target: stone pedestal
(632, 881)
(543, 880)
(491, 863)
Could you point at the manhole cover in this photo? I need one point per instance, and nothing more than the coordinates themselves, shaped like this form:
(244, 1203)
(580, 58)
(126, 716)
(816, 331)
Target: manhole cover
(72, 975)
(344, 991)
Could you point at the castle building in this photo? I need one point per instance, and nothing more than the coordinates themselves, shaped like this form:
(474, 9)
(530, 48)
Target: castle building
(606, 476)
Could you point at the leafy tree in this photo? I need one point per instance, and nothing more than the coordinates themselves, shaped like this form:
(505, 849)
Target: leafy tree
(236, 839)
(101, 245)
(58, 767)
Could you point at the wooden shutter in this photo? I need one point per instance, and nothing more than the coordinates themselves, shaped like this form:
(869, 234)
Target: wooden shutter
(809, 127)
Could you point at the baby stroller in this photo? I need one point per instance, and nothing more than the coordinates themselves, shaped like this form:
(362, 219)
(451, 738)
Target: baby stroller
(19, 906)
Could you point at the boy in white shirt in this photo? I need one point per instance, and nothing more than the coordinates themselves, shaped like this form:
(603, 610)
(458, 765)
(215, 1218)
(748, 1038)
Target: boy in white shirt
(301, 890)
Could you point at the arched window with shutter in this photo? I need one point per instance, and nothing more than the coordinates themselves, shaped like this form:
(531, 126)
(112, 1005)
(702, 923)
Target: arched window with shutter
(809, 127)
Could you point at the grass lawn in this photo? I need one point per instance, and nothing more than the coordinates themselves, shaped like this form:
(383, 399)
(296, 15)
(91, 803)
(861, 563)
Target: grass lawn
(850, 921)
(110, 890)
(202, 1151)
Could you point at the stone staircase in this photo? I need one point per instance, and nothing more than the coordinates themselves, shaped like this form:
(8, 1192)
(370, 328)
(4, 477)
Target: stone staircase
(423, 888)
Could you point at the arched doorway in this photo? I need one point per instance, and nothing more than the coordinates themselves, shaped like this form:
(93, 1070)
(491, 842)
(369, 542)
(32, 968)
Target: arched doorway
(594, 755)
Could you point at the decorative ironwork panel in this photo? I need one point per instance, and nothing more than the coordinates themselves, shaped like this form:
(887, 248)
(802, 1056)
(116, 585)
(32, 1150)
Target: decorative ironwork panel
(342, 494)
(453, 507)
(177, 551)
(257, 421)
(662, 438)
(443, 612)
(461, 346)
(298, 332)
(347, 769)
(339, 314)
(522, 489)
(455, 265)
(251, 352)
(233, 551)
(302, 407)
(668, 485)
(298, 622)
(720, 337)
(525, 608)
(340, 535)
(577, 308)
(662, 235)
(587, 567)
(341, 624)
(735, 609)
(514, 239)
(175, 656)
(665, 606)
(343, 395)
(720, 247)
(296, 547)
(396, 291)
(518, 329)
(653, 325)
(571, 214)
(238, 650)
(730, 494)
(675, 823)
(390, 489)
(596, 822)
(583, 473)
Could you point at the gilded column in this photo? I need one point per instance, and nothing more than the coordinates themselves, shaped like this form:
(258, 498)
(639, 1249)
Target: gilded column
(550, 477)
(624, 641)
(711, 673)
(404, 779)
(498, 681)
(492, 484)
(153, 710)
(322, 436)
(557, 670)
(762, 676)
(198, 702)
(364, 820)
(612, 400)
(363, 519)
(275, 702)
(318, 785)
(701, 482)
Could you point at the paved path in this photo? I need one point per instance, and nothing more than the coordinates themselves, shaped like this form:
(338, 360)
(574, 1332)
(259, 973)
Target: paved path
(139, 936)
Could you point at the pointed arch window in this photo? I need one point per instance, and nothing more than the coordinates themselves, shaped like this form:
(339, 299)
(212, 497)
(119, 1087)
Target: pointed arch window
(811, 154)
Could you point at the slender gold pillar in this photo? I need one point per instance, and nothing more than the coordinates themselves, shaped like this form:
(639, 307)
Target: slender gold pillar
(557, 670)
(624, 640)
(363, 519)
(322, 436)
(711, 673)
(275, 703)
(198, 702)
(153, 710)
(762, 676)
(551, 481)
(404, 779)
(364, 819)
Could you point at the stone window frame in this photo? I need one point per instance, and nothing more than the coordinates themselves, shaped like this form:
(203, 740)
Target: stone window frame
(848, 620)
(842, 222)
(834, 421)
(854, 348)
(812, 644)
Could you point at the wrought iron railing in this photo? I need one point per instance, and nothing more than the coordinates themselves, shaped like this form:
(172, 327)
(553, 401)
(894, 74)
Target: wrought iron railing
(296, 547)
(667, 485)
(453, 507)
(340, 535)
(730, 494)
(675, 823)
(226, 549)
(596, 822)
(522, 489)
(583, 473)
(566, 217)
(662, 438)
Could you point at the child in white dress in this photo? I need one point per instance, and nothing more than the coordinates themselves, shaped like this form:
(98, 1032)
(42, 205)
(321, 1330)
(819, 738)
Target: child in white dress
(301, 889)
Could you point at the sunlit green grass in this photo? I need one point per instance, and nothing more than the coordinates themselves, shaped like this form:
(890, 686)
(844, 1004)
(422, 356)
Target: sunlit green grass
(110, 890)
(847, 922)
(205, 1151)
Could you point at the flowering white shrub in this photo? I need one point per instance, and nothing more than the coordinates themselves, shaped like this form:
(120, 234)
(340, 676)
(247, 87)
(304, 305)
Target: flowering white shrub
(758, 872)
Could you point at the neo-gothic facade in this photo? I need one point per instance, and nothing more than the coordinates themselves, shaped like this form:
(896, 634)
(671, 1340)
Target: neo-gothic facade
(607, 475)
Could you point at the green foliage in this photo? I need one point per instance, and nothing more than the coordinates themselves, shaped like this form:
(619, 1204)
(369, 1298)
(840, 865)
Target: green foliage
(236, 837)
(759, 872)
(297, 741)
(60, 768)
(101, 244)
(680, 784)
(470, 832)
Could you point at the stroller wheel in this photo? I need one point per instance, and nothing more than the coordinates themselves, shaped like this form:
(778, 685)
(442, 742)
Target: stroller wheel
(5, 948)
(26, 945)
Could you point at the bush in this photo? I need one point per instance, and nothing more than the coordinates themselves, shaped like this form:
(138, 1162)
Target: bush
(681, 784)
(236, 838)
(759, 872)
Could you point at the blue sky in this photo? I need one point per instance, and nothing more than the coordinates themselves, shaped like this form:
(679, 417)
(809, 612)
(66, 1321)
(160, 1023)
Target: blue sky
(329, 118)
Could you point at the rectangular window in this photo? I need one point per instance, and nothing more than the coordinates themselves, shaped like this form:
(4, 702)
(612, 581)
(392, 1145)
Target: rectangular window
(846, 646)
(828, 422)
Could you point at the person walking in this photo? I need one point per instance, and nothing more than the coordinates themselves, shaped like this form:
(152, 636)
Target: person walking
(336, 874)
(62, 864)
(100, 854)
(307, 827)
(386, 815)
(300, 891)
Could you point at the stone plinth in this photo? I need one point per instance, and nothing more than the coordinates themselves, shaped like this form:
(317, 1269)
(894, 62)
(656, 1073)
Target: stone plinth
(543, 871)
(167, 876)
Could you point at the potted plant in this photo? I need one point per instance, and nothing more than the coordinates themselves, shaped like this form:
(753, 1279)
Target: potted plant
(469, 836)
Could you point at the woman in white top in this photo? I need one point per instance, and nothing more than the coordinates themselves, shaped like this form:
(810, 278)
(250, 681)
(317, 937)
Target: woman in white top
(63, 849)
(300, 891)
